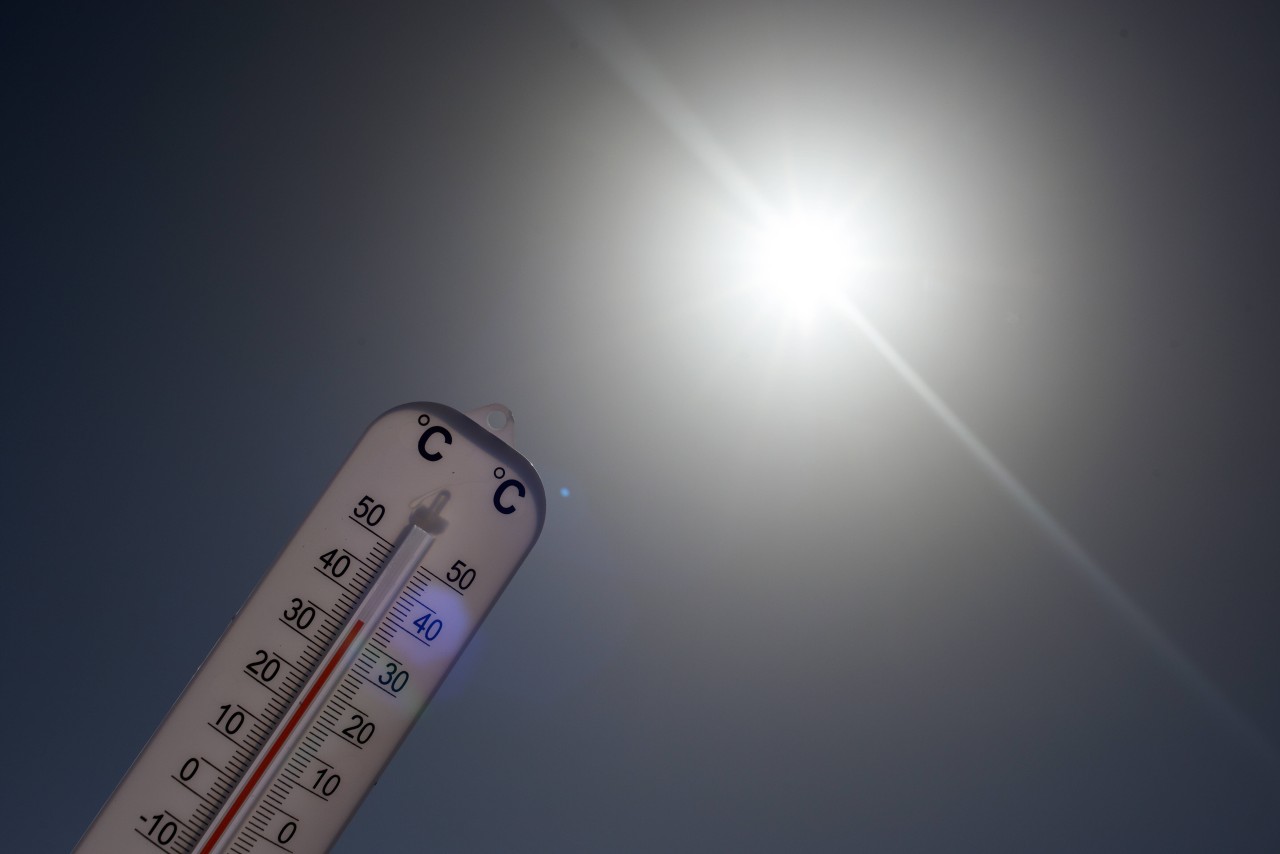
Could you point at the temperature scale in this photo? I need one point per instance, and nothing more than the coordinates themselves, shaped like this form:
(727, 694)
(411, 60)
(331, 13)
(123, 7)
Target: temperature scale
(291, 718)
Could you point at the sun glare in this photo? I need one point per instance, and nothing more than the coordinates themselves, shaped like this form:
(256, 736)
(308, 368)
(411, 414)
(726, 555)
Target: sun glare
(801, 263)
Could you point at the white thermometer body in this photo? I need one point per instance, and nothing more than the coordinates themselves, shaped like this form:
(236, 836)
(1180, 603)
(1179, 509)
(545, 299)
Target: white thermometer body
(293, 715)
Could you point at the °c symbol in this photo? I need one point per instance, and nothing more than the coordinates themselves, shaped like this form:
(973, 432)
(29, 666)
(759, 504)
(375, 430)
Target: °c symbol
(502, 488)
(499, 472)
(424, 419)
(427, 434)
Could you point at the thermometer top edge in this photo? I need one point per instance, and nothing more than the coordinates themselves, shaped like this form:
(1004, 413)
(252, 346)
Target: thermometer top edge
(481, 438)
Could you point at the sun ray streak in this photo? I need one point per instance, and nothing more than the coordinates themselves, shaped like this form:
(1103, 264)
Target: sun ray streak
(1088, 567)
(610, 41)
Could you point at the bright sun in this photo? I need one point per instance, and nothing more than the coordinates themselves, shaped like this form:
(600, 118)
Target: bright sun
(801, 262)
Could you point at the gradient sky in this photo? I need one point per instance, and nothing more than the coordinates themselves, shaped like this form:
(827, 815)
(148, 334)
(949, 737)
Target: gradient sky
(988, 564)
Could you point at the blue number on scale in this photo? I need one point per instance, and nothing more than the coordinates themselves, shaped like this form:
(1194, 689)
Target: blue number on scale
(428, 625)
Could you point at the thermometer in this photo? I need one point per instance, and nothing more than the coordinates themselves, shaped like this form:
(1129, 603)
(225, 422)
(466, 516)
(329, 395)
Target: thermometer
(291, 718)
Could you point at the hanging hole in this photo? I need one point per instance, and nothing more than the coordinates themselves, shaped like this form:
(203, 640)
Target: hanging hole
(496, 419)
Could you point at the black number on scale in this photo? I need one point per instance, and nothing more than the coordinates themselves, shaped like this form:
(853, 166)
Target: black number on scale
(162, 831)
(326, 782)
(395, 678)
(368, 511)
(338, 564)
(230, 723)
(189, 769)
(361, 731)
(264, 666)
(461, 575)
(298, 615)
(286, 833)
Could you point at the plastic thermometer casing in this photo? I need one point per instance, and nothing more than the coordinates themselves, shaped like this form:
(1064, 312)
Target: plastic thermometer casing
(300, 678)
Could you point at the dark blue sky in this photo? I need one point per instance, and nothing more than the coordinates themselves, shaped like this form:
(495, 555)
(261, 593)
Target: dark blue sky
(995, 571)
